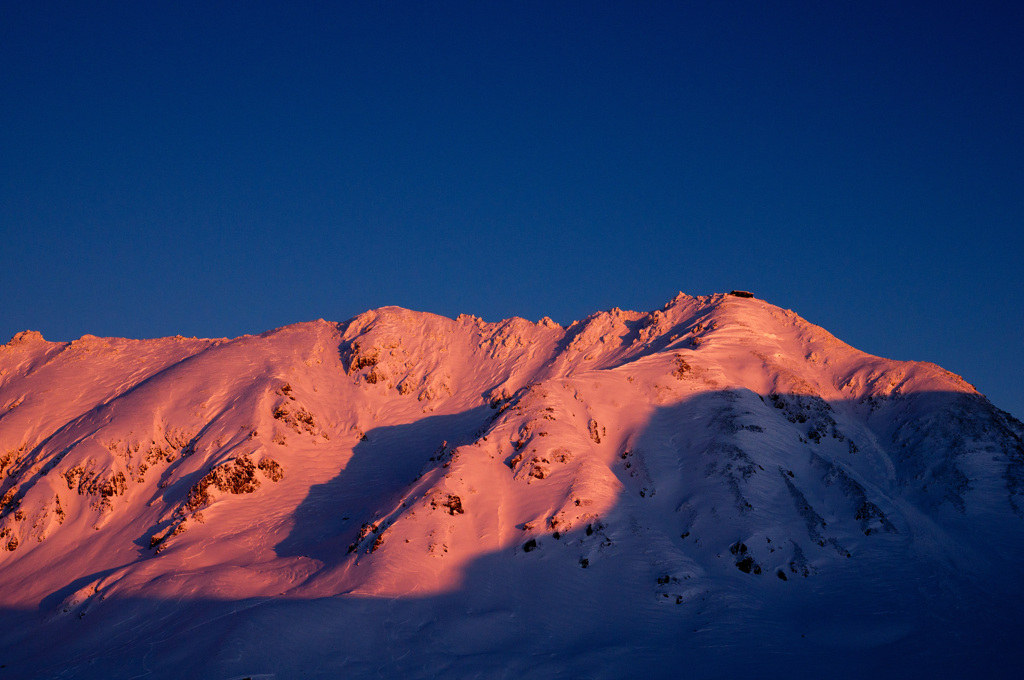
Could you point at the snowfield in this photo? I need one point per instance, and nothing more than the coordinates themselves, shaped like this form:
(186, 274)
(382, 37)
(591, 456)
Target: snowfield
(715, 489)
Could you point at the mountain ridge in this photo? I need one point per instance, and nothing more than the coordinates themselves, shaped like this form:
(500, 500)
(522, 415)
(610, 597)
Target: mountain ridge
(703, 450)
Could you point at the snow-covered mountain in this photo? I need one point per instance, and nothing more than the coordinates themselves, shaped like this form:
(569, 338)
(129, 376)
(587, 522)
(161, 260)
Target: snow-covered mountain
(716, 488)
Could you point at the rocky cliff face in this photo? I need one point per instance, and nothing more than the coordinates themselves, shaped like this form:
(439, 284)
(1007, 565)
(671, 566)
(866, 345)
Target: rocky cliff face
(699, 473)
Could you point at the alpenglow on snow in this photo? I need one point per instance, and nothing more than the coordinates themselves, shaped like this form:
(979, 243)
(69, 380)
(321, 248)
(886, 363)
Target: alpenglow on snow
(714, 488)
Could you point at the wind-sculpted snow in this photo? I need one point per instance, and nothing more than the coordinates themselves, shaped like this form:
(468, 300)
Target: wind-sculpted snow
(487, 498)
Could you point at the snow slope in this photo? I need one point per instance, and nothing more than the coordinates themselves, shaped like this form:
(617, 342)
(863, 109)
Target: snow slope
(713, 488)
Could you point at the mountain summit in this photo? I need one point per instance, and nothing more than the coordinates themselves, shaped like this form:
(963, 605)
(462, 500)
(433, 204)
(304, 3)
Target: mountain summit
(712, 488)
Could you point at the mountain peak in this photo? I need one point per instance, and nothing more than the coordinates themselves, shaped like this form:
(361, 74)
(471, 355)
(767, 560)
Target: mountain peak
(26, 338)
(669, 470)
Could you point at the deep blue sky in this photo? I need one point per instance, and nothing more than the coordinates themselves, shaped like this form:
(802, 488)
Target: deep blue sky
(216, 169)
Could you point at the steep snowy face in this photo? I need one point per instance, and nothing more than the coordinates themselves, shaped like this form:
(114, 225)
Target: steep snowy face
(717, 445)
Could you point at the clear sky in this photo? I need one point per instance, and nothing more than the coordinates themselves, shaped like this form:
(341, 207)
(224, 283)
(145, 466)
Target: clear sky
(216, 169)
